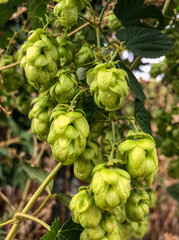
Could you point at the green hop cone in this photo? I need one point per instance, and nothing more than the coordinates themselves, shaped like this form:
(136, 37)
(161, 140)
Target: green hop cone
(125, 230)
(152, 197)
(113, 22)
(173, 168)
(64, 88)
(40, 61)
(85, 163)
(140, 156)
(66, 50)
(120, 213)
(85, 55)
(40, 116)
(137, 205)
(67, 11)
(140, 229)
(108, 85)
(169, 147)
(84, 209)
(107, 229)
(111, 186)
(68, 133)
(23, 103)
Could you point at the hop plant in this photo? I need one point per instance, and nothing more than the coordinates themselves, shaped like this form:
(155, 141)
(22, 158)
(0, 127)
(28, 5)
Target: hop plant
(152, 198)
(173, 168)
(84, 209)
(65, 87)
(40, 61)
(40, 116)
(140, 156)
(120, 213)
(66, 50)
(111, 186)
(108, 85)
(68, 133)
(107, 229)
(67, 11)
(137, 205)
(85, 163)
(85, 55)
(139, 229)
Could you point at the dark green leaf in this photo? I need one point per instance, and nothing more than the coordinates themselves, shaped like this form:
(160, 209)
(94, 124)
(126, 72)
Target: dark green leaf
(7, 9)
(145, 42)
(70, 231)
(173, 190)
(4, 152)
(133, 83)
(130, 12)
(36, 12)
(63, 198)
(38, 175)
(142, 117)
(51, 235)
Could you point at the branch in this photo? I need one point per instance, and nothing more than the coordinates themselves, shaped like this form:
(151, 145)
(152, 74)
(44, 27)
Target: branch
(9, 66)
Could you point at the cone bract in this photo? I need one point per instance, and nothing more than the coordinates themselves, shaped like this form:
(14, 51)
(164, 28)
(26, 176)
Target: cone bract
(84, 55)
(68, 133)
(40, 61)
(140, 156)
(84, 209)
(137, 205)
(40, 116)
(85, 163)
(64, 88)
(108, 85)
(111, 186)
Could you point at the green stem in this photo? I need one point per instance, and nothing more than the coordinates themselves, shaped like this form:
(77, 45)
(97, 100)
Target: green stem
(113, 142)
(98, 37)
(135, 128)
(103, 10)
(50, 20)
(75, 97)
(165, 7)
(34, 199)
(114, 55)
(26, 216)
(42, 205)
(92, 10)
(7, 222)
(135, 63)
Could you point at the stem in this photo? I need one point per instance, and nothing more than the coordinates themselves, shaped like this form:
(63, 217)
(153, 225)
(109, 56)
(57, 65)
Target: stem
(165, 7)
(34, 198)
(135, 128)
(113, 141)
(103, 10)
(42, 205)
(75, 97)
(135, 63)
(25, 192)
(114, 55)
(9, 66)
(7, 222)
(23, 215)
(92, 10)
(79, 28)
(98, 37)
(7, 201)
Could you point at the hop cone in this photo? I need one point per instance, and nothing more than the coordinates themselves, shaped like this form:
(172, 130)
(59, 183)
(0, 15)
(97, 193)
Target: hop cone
(152, 198)
(107, 229)
(108, 85)
(85, 163)
(40, 116)
(40, 61)
(84, 55)
(111, 186)
(137, 205)
(84, 210)
(66, 50)
(68, 133)
(140, 155)
(65, 87)
(23, 103)
(67, 11)
(139, 229)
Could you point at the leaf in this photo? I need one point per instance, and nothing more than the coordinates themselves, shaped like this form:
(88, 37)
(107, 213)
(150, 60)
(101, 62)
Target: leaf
(142, 117)
(4, 35)
(145, 42)
(4, 152)
(81, 73)
(173, 190)
(7, 9)
(70, 231)
(52, 233)
(63, 198)
(38, 175)
(36, 12)
(133, 83)
(130, 12)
